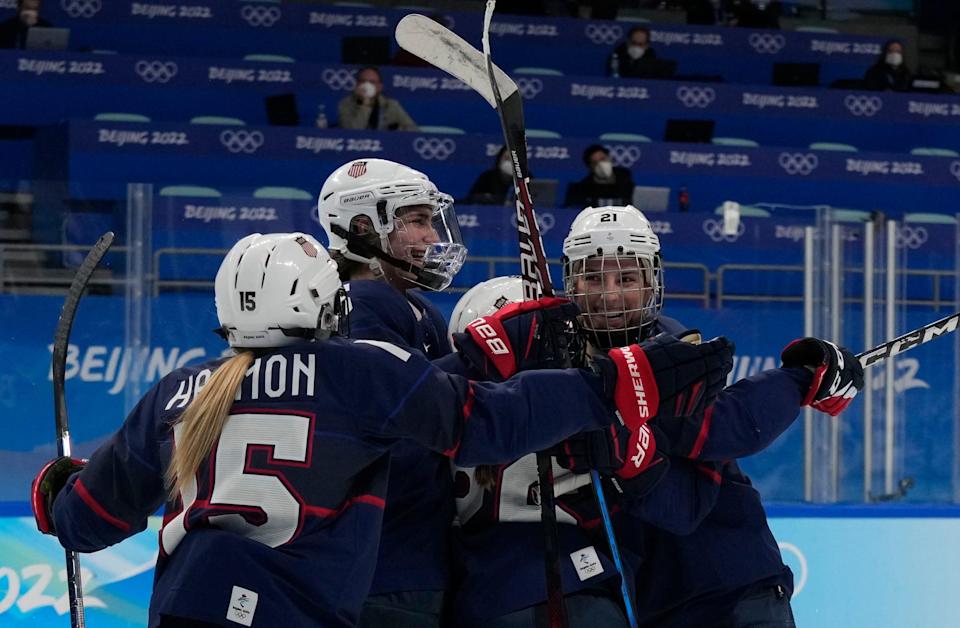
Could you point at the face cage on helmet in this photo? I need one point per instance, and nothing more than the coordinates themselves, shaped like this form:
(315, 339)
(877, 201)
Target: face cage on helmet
(629, 311)
(439, 261)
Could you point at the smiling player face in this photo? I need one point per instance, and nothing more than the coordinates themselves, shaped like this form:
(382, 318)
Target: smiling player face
(612, 292)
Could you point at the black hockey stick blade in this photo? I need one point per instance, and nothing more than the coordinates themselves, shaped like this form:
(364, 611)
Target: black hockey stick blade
(909, 340)
(61, 337)
(61, 341)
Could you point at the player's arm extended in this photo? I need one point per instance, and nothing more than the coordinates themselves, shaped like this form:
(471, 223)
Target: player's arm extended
(121, 485)
(746, 417)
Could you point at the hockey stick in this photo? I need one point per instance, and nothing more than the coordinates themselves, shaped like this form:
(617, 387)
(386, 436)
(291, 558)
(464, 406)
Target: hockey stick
(536, 281)
(449, 52)
(61, 340)
(909, 340)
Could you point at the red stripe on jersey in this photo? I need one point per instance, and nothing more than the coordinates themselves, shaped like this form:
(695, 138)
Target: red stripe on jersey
(97, 508)
(467, 411)
(711, 473)
(702, 436)
(320, 511)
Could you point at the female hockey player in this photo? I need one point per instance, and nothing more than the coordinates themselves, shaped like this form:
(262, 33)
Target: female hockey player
(499, 536)
(728, 572)
(272, 464)
(392, 232)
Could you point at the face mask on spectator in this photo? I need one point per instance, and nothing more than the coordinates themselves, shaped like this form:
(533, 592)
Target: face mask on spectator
(894, 58)
(367, 89)
(506, 167)
(635, 52)
(603, 169)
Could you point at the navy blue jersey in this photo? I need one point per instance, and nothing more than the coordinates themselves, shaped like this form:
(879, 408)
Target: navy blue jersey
(282, 519)
(414, 550)
(695, 579)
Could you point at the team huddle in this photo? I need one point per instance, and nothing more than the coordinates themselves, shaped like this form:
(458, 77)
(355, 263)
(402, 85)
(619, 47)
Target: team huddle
(356, 462)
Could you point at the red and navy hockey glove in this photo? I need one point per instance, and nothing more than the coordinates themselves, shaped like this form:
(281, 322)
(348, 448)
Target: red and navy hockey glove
(47, 485)
(519, 337)
(666, 377)
(614, 450)
(837, 373)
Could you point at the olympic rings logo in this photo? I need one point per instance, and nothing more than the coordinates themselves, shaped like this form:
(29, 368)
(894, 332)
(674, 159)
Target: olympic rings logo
(624, 155)
(767, 43)
(911, 237)
(699, 97)
(339, 79)
(156, 71)
(529, 87)
(434, 147)
(800, 571)
(955, 169)
(603, 33)
(714, 230)
(798, 163)
(241, 141)
(260, 15)
(81, 8)
(866, 106)
(545, 220)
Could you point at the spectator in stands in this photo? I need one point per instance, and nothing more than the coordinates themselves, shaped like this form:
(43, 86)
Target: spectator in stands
(13, 31)
(368, 108)
(605, 184)
(889, 71)
(635, 57)
(494, 186)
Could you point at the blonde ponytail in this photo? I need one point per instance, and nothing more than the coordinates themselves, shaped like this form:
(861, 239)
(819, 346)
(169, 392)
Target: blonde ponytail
(202, 421)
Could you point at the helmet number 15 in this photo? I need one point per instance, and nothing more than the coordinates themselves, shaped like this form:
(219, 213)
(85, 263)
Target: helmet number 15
(248, 301)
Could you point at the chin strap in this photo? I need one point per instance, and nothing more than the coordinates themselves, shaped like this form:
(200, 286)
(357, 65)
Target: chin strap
(359, 246)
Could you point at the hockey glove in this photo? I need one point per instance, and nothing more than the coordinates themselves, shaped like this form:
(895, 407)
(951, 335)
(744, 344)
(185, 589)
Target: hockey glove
(837, 373)
(665, 377)
(47, 485)
(611, 451)
(519, 337)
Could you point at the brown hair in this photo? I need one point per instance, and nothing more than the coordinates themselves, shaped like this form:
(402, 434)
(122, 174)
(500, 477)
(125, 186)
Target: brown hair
(203, 420)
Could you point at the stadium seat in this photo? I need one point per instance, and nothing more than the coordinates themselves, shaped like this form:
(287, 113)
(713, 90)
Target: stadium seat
(734, 141)
(222, 120)
(850, 215)
(543, 134)
(930, 218)
(815, 29)
(845, 148)
(115, 116)
(190, 190)
(747, 210)
(282, 193)
(624, 137)
(930, 151)
(539, 71)
(269, 58)
(436, 128)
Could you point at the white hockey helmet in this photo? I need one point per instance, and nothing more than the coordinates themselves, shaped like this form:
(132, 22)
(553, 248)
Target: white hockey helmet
(365, 196)
(613, 270)
(484, 299)
(277, 289)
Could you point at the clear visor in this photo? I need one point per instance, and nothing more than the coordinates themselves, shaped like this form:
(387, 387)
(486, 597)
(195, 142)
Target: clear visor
(618, 296)
(427, 235)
